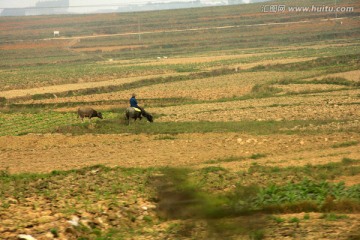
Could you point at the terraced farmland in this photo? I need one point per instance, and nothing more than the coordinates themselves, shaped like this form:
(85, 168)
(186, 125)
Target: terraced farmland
(256, 130)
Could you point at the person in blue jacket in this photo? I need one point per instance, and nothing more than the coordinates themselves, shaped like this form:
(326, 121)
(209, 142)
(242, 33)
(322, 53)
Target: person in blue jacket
(134, 103)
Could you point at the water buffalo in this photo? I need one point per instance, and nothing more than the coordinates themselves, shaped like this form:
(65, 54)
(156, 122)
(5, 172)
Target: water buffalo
(89, 113)
(132, 113)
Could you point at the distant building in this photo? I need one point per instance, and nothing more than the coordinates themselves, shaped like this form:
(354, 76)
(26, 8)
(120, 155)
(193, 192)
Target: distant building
(234, 2)
(43, 7)
(160, 6)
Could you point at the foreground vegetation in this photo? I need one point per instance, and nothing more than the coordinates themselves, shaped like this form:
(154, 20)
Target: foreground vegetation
(149, 198)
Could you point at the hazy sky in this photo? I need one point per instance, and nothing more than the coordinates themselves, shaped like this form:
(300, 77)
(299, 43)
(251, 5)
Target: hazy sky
(31, 3)
(89, 6)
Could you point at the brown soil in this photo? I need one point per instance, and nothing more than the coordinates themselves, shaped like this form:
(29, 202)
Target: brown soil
(44, 153)
(35, 44)
(316, 107)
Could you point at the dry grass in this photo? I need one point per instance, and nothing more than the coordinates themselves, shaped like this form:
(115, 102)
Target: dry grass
(350, 75)
(300, 88)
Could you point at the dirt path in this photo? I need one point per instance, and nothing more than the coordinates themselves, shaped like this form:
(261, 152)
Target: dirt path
(198, 29)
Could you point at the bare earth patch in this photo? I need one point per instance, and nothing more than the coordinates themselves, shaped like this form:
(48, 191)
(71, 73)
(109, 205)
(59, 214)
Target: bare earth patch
(44, 153)
(317, 106)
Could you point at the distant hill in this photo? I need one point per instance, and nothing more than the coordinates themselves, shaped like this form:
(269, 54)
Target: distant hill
(52, 7)
(179, 5)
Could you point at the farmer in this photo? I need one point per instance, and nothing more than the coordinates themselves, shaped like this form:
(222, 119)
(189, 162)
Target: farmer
(133, 102)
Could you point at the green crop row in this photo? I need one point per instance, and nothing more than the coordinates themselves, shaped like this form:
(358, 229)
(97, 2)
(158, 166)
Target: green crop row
(306, 191)
(178, 194)
(42, 122)
(20, 123)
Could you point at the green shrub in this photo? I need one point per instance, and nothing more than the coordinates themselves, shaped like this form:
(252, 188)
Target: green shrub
(2, 101)
(333, 216)
(257, 156)
(264, 90)
(345, 144)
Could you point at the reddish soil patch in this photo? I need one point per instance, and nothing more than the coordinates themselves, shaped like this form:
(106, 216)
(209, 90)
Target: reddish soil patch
(35, 44)
(108, 49)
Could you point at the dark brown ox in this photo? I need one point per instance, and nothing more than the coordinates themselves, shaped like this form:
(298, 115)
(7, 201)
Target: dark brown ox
(89, 113)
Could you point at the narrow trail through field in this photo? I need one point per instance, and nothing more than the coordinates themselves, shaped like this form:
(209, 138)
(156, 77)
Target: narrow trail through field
(202, 28)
